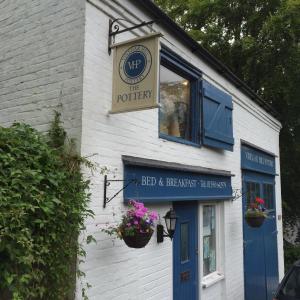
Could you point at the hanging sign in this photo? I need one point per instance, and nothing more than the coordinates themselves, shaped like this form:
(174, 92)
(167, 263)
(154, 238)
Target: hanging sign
(136, 74)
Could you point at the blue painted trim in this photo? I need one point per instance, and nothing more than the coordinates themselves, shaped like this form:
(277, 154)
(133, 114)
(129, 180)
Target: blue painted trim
(170, 55)
(177, 140)
(187, 213)
(213, 93)
(263, 244)
(163, 185)
(217, 144)
(176, 199)
(217, 117)
(258, 161)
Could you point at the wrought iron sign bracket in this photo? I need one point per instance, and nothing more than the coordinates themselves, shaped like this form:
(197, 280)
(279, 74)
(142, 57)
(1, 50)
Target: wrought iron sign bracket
(114, 29)
(107, 184)
(237, 194)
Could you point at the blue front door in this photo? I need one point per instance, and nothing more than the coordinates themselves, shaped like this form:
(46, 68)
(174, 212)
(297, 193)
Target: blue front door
(185, 252)
(260, 244)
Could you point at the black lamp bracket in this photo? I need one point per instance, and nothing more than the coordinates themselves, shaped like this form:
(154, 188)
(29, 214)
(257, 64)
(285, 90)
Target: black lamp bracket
(107, 184)
(161, 233)
(114, 29)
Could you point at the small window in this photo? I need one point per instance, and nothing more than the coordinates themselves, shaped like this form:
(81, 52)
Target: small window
(253, 191)
(209, 240)
(184, 242)
(268, 195)
(212, 232)
(175, 101)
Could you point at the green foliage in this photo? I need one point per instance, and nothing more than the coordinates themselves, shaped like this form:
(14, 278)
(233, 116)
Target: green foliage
(43, 204)
(250, 213)
(291, 254)
(259, 41)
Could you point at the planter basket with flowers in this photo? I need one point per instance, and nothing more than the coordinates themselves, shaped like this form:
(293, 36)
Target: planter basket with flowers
(136, 226)
(255, 214)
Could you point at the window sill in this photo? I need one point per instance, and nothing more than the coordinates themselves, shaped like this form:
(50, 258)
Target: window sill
(212, 279)
(178, 140)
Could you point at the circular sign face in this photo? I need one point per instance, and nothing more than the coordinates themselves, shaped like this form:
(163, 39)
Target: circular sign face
(135, 64)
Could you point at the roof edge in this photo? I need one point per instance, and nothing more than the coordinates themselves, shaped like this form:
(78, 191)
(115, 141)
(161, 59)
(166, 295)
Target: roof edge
(161, 18)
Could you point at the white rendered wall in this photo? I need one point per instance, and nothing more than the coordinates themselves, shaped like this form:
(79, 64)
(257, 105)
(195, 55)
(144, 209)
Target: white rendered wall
(41, 62)
(118, 272)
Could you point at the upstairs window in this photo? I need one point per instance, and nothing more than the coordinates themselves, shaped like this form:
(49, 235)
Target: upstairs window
(192, 111)
(179, 114)
(175, 105)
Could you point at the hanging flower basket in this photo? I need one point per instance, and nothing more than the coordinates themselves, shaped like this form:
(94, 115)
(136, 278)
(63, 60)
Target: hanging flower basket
(255, 214)
(138, 240)
(136, 226)
(255, 221)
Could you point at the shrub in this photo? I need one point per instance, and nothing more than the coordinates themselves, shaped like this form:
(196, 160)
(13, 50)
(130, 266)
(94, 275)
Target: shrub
(291, 254)
(43, 204)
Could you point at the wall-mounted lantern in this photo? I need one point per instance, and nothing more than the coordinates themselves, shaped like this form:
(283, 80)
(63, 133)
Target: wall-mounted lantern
(170, 219)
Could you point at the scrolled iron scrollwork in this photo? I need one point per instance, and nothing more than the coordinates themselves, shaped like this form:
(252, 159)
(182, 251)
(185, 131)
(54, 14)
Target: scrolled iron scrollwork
(114, 29)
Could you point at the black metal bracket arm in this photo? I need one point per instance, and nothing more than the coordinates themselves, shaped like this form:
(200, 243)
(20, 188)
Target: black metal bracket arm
(107, 184)
(237, 194)
(161, 233)
(114, 29)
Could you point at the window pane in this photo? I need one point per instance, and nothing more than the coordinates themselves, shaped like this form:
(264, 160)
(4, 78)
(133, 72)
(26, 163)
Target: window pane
(209, 239)
(184, 242)
(292, 286)
(252, 192)
(268, 196)
(175, 104)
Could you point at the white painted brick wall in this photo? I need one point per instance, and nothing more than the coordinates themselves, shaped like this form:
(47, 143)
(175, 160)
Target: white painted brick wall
(118, 272)
(41, 62)
(41, 69)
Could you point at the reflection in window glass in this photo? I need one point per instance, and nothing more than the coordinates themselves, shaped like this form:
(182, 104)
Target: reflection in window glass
(209, 239)
(292, 286)
(175, 104)
(252, 192)
(184, 242)
(268, 196)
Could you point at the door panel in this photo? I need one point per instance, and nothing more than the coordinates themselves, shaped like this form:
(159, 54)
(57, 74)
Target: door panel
(185, 261)
(270, 234)
(260, 244)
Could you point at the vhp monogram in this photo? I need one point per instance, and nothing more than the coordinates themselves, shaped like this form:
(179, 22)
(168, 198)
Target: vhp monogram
(134, 64)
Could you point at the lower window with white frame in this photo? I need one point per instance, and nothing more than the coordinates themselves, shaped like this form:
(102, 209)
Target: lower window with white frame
(212, 244)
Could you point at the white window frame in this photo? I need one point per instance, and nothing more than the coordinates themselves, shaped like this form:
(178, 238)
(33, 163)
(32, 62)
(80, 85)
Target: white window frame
(216, 276)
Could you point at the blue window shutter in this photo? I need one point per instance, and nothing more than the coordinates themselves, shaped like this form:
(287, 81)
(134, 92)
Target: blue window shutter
(217, 118)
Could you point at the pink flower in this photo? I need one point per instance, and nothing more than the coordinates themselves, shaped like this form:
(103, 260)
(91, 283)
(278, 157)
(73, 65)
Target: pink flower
(136, 222)
(139, 213)
(144, 209)
(139, 205)
(153, 215)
